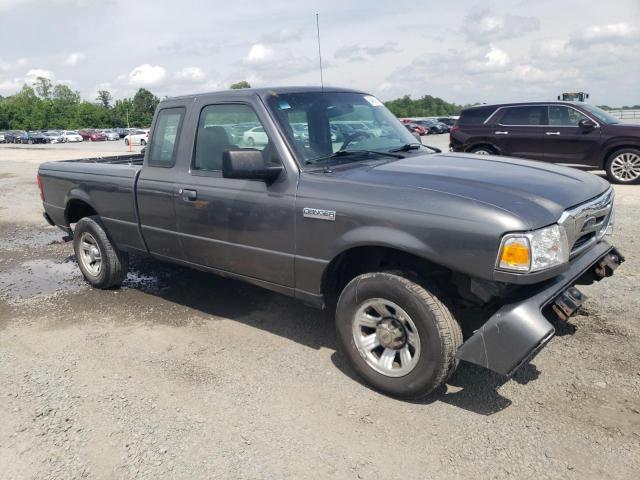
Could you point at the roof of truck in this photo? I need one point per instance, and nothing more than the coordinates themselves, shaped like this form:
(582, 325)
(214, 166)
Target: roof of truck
(264, 91)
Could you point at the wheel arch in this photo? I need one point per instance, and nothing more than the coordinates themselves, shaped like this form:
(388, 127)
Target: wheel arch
(77, 206)
(611, 149)
(370, 257)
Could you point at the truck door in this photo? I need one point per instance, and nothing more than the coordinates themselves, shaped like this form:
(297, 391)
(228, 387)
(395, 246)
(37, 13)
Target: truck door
(519, 132)
(566, 142)
(235, 225)
(156, 188)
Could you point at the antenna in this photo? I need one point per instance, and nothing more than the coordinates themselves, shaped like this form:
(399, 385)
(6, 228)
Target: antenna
(319, 51)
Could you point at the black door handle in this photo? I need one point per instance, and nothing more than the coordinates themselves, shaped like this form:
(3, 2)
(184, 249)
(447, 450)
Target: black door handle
(188, 195)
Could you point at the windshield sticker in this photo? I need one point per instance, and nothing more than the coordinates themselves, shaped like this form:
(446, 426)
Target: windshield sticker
(373, 100)
(284, 105)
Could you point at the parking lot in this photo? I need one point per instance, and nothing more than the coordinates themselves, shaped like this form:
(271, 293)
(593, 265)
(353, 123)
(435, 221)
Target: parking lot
(184, 374)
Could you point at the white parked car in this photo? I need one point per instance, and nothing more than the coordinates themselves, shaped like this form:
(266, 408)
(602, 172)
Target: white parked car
(71, 136)
(255, 136)
(137, 137)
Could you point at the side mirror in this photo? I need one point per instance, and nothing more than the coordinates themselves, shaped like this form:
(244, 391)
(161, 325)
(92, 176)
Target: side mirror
(248, 163)
(586, 124)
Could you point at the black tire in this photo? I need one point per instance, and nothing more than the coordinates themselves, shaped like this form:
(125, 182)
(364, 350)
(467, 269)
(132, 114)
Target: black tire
(627, 154)
(438, 331)
(126, 142)
(114, 263)
(250, 141)
(483, 150)
(143, 142)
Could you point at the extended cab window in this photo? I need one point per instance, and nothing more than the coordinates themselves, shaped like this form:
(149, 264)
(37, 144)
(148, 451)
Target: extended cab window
(226, 127)
(523, 116)
(165, 137)
(564, 116)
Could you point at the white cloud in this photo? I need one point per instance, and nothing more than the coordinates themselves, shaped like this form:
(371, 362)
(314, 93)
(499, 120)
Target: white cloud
(496, 57)
(358, 53)
(147, 76)
(38, 72)
(259, 53)
(74, 59)
(615, 33)
(190, 74)
(481, 26)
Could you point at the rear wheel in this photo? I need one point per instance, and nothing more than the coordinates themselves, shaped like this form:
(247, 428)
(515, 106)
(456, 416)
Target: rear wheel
(483, 150)
(623, 166)
(100, 261)
(126, 142)
(397, 335)
(143, 142)
(250, 141)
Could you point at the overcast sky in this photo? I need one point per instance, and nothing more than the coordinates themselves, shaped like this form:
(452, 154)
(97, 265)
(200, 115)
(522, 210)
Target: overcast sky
(463, 51)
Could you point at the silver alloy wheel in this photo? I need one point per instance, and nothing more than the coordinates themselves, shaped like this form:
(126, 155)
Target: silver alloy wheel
(625, 167)
(482, 152)
(386, 337)
(90, 255)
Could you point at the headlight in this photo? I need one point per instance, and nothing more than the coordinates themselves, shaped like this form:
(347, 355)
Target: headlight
(533, 251)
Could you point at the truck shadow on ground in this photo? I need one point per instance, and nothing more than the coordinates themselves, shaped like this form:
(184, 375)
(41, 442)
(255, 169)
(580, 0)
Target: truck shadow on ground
(471, 387)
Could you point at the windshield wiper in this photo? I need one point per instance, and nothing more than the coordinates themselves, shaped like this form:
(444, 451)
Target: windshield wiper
(349, 153)
(415, 146)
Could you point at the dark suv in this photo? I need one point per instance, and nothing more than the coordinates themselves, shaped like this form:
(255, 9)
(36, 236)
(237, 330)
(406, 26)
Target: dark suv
(567, 133)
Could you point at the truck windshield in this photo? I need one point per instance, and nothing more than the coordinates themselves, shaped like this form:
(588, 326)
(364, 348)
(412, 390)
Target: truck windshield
(320, 124)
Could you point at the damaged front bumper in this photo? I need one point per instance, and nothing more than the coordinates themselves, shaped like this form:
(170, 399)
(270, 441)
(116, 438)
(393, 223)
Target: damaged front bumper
(518, 330)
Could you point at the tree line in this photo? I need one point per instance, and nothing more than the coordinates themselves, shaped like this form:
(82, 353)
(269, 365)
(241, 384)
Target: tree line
(44, 105)
(426, 106)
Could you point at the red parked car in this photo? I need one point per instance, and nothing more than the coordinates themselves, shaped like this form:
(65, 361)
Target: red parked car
(92, 135)
(414, 127)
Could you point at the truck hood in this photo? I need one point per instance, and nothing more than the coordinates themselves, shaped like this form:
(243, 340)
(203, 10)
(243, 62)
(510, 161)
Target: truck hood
(537, 193)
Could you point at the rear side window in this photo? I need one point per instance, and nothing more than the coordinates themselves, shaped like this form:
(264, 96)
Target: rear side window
(524, 116)
(164, 141)
(475, 116)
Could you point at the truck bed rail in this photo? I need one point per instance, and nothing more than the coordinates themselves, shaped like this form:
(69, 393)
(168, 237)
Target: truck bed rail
(133, 159)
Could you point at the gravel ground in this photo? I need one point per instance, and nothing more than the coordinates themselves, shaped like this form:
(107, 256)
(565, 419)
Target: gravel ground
(185, 375)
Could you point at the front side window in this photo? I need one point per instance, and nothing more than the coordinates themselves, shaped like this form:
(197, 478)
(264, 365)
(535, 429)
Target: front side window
(524, 116)
(165, 137)
(226, 127)
(564, 116)
(319, 124)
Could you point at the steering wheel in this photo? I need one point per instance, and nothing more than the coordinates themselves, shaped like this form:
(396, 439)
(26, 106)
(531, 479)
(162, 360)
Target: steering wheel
(350, 137)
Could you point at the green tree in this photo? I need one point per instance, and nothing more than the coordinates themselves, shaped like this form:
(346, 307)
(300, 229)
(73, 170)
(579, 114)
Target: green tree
(104, 98)
(239, 85)
(144, 103)
(43, 87)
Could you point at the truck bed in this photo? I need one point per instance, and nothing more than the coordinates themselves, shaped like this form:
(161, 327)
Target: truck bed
(106, 184)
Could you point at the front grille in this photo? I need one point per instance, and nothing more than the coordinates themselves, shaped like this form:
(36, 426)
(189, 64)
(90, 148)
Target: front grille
(587, 223)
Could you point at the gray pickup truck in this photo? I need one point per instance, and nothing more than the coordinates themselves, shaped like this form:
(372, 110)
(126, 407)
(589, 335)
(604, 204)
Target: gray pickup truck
(323, 195)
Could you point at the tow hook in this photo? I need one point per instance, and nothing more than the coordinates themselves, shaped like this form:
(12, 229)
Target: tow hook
(607, 265)
(568, 302)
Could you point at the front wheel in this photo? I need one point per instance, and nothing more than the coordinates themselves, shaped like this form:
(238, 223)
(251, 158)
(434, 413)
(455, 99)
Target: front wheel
(100, 261)
(143, 142)
(251, 142)
(126, 142)
(623, 166)
(397, 335)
